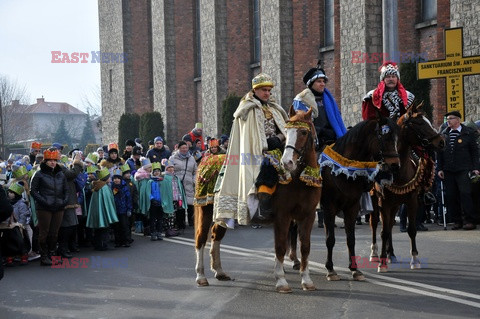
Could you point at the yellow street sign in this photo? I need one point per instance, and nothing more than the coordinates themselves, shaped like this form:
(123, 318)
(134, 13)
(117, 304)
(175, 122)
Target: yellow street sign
(453, 68)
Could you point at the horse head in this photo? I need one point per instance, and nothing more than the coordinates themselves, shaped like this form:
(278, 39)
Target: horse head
(299, 145)
(384, 146)
(417, 130)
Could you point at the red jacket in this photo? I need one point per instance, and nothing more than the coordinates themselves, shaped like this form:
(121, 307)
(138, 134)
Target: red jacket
(195, 137)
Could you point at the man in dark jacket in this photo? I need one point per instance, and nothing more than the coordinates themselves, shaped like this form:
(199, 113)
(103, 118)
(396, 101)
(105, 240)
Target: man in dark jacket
(6, 210)
(159, 151)
(456, 163)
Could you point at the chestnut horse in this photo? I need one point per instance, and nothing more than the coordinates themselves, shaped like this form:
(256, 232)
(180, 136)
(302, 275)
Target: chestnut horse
(416, 138)
(294, 199)
(348, 169)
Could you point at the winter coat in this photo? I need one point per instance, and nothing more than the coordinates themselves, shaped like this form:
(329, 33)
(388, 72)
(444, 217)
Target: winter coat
(101, 212)
(142, 177)
(167, 193)
(155, 155)
(110, 164)
(185, 169)
(49, 188)
(155, 196)
(465, 154)
(133, 194)
(122, 197)
(69, 215)
(134, 165)
(21, 212)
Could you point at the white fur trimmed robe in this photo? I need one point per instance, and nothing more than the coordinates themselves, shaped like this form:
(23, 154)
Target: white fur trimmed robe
(236, 197)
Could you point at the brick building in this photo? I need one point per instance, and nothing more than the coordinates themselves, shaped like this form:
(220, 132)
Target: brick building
(186, 56)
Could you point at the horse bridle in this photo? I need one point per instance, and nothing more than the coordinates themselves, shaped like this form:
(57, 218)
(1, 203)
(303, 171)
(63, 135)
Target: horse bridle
(310, 128)
(423, 140)
(380, 133)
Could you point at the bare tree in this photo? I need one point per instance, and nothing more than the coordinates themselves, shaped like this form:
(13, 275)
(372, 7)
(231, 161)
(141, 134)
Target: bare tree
(16, 118)
(92, 101)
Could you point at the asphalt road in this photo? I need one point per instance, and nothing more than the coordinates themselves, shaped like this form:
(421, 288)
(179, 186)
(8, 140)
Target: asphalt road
(157, 280)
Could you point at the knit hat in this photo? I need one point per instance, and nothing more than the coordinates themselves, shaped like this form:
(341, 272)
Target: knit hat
(92, 169)
(262, 80)
(156, 165)
(58, 146)
(125, 168)
(130, 143)
(36, 146)
(198, 125)
(92, 158)
(224, 138)
(103, 173)
(313, 74)
(187, 138)
(19, 171)
(51, 154)
(389, 68)
(112, 147)
(137, 150)
(181, 143)
(158, 139)
(168, 164)
(145, 162)
(16, 188)
(100, 149)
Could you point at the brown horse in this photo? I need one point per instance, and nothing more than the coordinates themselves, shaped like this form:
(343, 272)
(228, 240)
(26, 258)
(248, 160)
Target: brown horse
(416, 138)
(294, 199)
(348, 169)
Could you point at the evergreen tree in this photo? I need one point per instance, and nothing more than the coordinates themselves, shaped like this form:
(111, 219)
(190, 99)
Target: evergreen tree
(151, 125)
(229, 105)
(420, 88)
(88, 135)
(61, 135)
(128, 128)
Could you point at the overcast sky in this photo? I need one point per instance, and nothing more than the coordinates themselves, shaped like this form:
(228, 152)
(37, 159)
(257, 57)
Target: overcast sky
(31, 29)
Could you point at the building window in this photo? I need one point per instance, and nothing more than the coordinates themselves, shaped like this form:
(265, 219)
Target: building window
(429, 10)
(198, 44)
(328, 22)
(256, 31)
(110, 79)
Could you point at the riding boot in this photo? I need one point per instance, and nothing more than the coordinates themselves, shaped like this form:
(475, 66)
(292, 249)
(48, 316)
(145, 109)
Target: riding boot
(265, 207)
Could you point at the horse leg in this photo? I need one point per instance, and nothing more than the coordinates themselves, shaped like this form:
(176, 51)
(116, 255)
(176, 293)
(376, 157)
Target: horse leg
(281, 239)
(292, 236)
(374, 217)
(218, 232)
(329, 221)
(349, 219)
(203, 220)
(305, 237)
(412, 232)
(385, 235)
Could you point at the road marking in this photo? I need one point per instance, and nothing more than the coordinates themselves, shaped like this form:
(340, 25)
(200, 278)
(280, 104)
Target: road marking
(396, 283)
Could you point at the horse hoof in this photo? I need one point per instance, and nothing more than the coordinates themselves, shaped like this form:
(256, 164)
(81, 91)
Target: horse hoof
(296, 265)
(284, 289)
(333, 277)
(308, 287)
(374, 259)
(382, 268)
(202, 282)
(223, 277)
(358, 276)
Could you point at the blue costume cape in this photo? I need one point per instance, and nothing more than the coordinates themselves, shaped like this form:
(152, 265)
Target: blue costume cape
(331, 109)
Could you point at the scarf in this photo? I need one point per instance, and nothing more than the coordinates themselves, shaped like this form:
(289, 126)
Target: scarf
(333, 114)
(394, 101)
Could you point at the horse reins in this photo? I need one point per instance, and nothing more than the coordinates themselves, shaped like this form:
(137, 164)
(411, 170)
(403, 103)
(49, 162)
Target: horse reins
(310, 128)
(382, 145)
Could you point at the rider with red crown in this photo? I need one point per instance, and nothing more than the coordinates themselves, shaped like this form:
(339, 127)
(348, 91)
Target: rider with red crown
(390, 97)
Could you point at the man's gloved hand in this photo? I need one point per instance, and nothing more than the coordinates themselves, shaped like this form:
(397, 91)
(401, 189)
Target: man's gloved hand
(274, 142)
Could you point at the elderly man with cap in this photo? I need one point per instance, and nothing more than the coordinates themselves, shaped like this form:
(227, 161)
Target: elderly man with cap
(159, 151)
(326, 115)
(257, 134)
(457, 162)
(390, 97)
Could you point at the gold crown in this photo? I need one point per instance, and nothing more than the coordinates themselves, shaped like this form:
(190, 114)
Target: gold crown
(262, 80)
(51, 155)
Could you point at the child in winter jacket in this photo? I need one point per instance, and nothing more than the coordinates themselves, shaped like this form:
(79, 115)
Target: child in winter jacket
(142, 178)
(173, 197)
(22, 215)
(127, 177)
(156, 211)
(123, 204)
